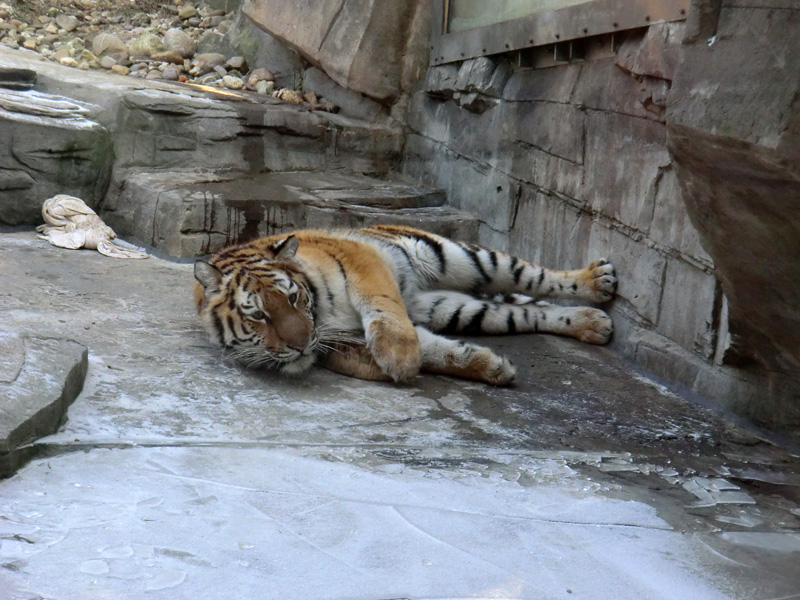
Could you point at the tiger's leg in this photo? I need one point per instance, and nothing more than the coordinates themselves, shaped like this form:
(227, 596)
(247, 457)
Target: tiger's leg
(353, 360)
(464, 360)
(454, 312)
(390, 335)
(439, 355)
(450, 265)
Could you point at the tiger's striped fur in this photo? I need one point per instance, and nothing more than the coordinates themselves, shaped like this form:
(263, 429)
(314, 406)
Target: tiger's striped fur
(370, 303)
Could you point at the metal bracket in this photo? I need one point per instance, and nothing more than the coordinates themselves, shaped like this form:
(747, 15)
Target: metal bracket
(595, 17)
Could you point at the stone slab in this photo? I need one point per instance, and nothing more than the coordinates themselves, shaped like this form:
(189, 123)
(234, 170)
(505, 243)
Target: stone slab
(190, 214)
(624, 160)
(39, 379)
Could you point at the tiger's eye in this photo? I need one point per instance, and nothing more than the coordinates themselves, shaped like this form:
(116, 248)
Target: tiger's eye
(258, 316)
(293, 298)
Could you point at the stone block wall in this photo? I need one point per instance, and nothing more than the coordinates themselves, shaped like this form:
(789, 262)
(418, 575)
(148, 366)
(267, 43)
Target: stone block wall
(569, 162)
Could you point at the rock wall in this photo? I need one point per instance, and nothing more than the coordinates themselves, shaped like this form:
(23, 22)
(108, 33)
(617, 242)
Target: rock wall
(571, 161)
(734, 134)
(361, 44)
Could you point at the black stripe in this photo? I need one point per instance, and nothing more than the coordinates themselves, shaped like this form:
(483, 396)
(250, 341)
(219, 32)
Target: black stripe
(475, 325)
(434, 245)
(541, 275)
(433, 308)
(313, 292)
(338, 264)
(518, 274)
(217, 323)
(452, 324)
(493, 258)
(231, 328)
(511, 325)
(476, 261)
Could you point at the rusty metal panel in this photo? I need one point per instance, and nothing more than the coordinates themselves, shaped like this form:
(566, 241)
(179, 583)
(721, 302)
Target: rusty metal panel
(596, 17)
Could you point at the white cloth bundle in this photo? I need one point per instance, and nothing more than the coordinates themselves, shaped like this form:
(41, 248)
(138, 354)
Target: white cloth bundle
(69, 223)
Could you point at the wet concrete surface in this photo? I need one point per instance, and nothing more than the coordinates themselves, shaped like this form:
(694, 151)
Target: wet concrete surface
(177, 474)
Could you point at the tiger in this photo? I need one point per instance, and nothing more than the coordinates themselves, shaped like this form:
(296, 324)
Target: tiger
(373, 303)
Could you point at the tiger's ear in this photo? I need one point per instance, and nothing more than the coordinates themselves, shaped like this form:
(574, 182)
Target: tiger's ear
(285, 249)
(209, 276)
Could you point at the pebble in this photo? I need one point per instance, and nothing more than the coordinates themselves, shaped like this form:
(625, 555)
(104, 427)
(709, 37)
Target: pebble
(232, 83)
(67, 22)
(108, 44)
(259, 75)
(187, 12)
(121, 70)
(288, 95)
(236, 62)
(146, 45)
(52, 29)
(61, 53)
(155, 74)
(171, 74)
(220, 70)
(265, 87)
(211, 22)
(68, 61)
(178, 41)
(29, 44)
(168, 57)
(107, 62)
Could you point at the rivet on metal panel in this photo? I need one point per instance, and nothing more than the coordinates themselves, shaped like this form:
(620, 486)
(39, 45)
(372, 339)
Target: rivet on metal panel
(682, 11)
(558, 37)
(616, 24)
(585, 30)
(647, 18)
(507, 46)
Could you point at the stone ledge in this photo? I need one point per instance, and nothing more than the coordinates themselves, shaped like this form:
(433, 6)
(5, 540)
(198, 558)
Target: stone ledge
(186, 213)
(39, 379)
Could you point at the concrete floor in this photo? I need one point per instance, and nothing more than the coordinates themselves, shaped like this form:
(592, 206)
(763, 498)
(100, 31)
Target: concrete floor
(179, 475)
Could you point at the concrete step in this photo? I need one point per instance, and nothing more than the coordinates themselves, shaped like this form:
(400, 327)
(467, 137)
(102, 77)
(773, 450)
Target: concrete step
(192, 213)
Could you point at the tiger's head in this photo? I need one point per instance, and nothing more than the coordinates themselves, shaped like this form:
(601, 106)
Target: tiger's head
(258, 306)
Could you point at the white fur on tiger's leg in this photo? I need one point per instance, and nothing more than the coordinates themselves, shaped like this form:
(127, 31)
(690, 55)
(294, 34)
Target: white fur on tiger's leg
(455, 312)
(461, 359)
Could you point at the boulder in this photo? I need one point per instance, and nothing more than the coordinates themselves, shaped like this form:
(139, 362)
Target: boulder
(48, 147)
(734, 137)
(360, 44)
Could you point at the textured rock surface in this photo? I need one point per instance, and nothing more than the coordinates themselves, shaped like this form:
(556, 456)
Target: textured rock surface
(567, 163)
(191, 214)
(736, 145)
(360, 44)
(39, 378)
(48, 146)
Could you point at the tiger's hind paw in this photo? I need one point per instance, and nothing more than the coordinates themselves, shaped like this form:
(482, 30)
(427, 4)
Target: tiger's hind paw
(600, 281)
(593, 326)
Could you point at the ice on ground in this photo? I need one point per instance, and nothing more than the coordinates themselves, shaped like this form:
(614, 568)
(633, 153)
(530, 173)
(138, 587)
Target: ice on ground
(176, 522)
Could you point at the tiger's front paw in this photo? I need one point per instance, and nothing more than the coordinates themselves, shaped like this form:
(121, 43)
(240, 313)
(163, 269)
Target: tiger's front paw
(396, 349)
(599, 281)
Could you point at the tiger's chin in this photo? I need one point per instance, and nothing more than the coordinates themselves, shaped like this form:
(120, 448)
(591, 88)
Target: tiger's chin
(299, 366)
